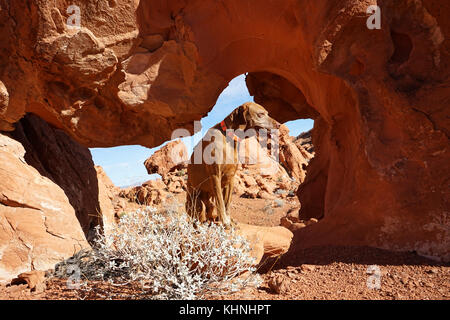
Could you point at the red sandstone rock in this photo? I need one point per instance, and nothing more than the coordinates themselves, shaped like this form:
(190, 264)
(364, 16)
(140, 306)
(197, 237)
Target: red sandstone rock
(39, 225)
(304, 144)
(155, 184)
(291, 157)
(50, 193)
(279, 284)
(286, 222)
(107, 192)
(67, 163)
(268, 241)
(379, 98)
(169, 162)
(170, 157)
(261, 171)
(151, 193)
(36, 280)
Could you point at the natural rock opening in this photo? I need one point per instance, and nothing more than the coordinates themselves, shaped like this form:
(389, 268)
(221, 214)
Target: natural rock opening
(136, 71)
(293, 155)
(269, 176)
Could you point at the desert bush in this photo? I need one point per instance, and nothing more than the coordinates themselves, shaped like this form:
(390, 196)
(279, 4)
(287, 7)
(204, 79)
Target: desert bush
(173, 256)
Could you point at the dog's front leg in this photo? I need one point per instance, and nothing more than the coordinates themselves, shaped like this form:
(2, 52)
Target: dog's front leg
(220, 203)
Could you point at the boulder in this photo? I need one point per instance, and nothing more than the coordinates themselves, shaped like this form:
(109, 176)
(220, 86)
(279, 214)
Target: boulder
(107, 193)
(266, 241)
(170, 157)
(176, 181)
(35, 280)
(279, 284)
(291, 156)
(51, 197)
(39, 224)
(292, 221)
(263, 169)
(65, 162)
(155, 184)
(146, 195)
(265, 195)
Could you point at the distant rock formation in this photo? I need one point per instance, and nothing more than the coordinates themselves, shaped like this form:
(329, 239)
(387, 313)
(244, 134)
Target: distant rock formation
(304, 143)
(263, 175)
(260, 174)
(167, 159)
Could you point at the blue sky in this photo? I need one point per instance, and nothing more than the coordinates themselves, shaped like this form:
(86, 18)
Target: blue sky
(125, 165)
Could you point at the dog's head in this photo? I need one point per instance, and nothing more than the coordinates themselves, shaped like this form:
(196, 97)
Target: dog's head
(253, 116)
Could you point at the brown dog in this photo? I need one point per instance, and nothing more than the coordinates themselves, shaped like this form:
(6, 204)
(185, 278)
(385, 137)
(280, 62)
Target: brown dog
(212, 167)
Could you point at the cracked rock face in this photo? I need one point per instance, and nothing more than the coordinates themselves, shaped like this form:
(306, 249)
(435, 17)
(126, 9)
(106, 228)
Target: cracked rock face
(38, 225)
(51, 197)
(136, 70)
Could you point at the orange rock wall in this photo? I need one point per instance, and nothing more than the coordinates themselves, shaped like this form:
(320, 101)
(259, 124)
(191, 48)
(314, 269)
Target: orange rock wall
(139, 69)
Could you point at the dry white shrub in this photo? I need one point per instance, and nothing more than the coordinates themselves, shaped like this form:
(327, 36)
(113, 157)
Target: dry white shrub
(175, 257)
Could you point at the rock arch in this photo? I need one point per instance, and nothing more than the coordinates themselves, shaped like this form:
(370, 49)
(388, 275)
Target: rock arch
(139, 69)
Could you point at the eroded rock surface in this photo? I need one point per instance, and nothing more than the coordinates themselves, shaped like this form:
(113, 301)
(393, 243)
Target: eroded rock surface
(136, 70)
(266, 171)
(51, 197)
(167, 159)
(39, 225)
(107, 197)
(68, 164)
(270, 242)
